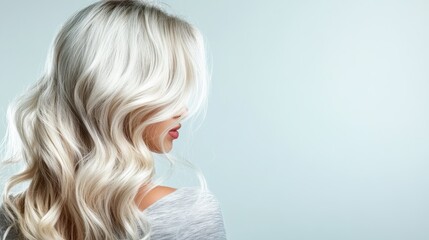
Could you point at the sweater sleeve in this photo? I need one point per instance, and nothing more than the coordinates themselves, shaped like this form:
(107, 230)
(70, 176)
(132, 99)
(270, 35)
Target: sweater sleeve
(204, 220)
(188, 213)
(6, 228)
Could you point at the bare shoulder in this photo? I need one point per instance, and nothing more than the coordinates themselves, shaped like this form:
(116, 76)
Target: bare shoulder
(154, 195)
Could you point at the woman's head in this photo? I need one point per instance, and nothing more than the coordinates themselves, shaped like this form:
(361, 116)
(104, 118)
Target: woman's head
(119, 76)
(127, 64)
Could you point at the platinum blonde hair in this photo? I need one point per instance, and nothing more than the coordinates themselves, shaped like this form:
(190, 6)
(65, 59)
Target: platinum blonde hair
(114, 68)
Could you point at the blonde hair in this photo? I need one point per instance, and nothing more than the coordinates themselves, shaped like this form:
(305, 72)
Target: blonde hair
(114, 68)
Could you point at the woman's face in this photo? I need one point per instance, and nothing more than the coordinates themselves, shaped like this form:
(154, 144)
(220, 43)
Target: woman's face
(153, 132)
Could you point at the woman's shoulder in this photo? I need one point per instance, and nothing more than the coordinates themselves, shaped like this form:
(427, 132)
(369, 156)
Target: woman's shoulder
(153, 196)
(187, 213)
(183, 198)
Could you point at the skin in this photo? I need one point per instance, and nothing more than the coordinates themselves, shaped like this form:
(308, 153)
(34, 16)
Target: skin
(153, 132)
(158, 192)
(153, 195)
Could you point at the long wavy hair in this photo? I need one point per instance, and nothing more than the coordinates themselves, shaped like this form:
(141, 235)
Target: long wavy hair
(114, 68)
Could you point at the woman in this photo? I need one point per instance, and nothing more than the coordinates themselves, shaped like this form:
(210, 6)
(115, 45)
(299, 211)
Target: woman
(119, 79)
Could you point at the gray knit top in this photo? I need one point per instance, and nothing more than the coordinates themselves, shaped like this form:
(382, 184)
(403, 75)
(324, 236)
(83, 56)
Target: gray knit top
(186, 213)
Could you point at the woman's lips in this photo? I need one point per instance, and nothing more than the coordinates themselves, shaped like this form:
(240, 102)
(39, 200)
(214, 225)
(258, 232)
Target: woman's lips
(174, 133)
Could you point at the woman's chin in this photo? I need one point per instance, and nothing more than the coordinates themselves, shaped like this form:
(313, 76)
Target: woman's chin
(167, 149)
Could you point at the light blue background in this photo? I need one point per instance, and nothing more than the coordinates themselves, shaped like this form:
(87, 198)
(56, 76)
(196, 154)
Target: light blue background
(317, 126)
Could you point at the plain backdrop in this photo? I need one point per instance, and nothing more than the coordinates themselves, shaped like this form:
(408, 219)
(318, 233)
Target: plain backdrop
(317, 126)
